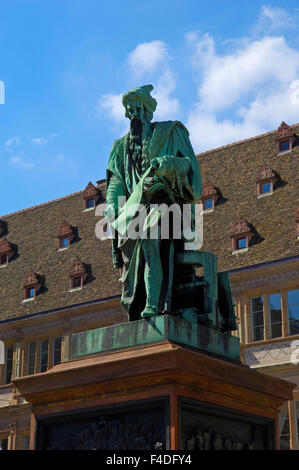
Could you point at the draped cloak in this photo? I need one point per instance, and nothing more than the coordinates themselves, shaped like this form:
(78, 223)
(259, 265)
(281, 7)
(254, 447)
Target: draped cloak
(181, 184)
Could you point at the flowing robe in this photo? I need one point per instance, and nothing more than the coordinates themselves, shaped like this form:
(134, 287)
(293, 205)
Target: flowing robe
(181, 184)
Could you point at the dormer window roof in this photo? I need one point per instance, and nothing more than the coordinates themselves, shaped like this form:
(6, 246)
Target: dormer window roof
(6, 251)
(209, 196)
(266, 181)
(90, 196)
(77, 274)
(285, 138)
(66, 233)
(31, 285)
(241, 235)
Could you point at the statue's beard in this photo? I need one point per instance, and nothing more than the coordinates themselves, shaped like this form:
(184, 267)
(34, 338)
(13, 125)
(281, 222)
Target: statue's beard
(136, 128)
(135, 146)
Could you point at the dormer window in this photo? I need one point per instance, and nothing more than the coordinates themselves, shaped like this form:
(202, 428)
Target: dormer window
(90, 203)
(285, 138)
(66, 234)
(31, 285)
(241, 235)
(90, 196)
(6, 251)
(78, 274)
(266, 181)
(209, 196)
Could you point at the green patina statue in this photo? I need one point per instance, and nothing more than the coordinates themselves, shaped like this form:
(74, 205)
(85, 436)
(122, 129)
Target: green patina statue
(155, 164)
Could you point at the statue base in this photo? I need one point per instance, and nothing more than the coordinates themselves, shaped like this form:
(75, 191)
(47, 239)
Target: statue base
(154, 384)
(153, 330)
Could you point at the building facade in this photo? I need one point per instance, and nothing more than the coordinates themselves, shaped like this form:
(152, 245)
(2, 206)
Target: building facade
(57, 279)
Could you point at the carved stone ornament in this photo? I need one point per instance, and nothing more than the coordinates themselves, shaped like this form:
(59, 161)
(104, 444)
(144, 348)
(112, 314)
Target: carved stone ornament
(78, 269)
(284, 131)
(240, 227)
(265, 173)
(6, 248)
(209, 440)
(113, 434)
(31, 279)
(208, 189)
(65, 230)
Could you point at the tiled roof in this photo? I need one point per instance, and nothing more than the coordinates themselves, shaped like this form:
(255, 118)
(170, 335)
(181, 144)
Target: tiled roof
(34, 232)
(232, 169)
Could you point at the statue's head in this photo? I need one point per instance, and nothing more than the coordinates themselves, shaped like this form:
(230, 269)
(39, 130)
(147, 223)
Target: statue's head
(139, 103)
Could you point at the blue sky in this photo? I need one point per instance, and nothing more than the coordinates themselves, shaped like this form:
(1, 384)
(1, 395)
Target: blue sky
(227, 69)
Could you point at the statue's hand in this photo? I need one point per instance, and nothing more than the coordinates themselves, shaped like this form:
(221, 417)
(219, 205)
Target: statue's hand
(161, 165)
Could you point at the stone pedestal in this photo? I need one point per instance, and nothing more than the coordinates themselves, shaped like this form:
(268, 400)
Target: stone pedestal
(165, 388)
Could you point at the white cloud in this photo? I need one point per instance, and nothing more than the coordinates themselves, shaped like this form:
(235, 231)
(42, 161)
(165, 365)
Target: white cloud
(21, 162)
(113, 106)
(144, 61)
(13, 141)
(273, 19)
(167, 106)
(251, 85)
(43, 140)
(147, 56)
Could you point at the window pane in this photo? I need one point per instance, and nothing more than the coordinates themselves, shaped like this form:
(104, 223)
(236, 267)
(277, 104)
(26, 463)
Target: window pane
(208, 204)
(3, 259)
(293, 311)
(258, 333)
(31, 358)
(8, 364)
(284, 427)
(4, 444)
(44, 355)
(57, 351)
(31, 292)
(77, 282)
(64, 242)
(266, 187)
(257, 303)
(90, 203)
(257, 318)
(241, 243)
(275, 314)
(284, 145)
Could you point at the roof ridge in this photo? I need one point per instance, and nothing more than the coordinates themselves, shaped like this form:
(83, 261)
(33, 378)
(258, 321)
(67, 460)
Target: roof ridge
(42, 204)
(216, 149)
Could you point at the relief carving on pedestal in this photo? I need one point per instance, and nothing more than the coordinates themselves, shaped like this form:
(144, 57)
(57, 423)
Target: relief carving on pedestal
(113, 434)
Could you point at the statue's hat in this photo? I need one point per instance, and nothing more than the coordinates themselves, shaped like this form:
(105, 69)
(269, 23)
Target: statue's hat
(143, 94)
